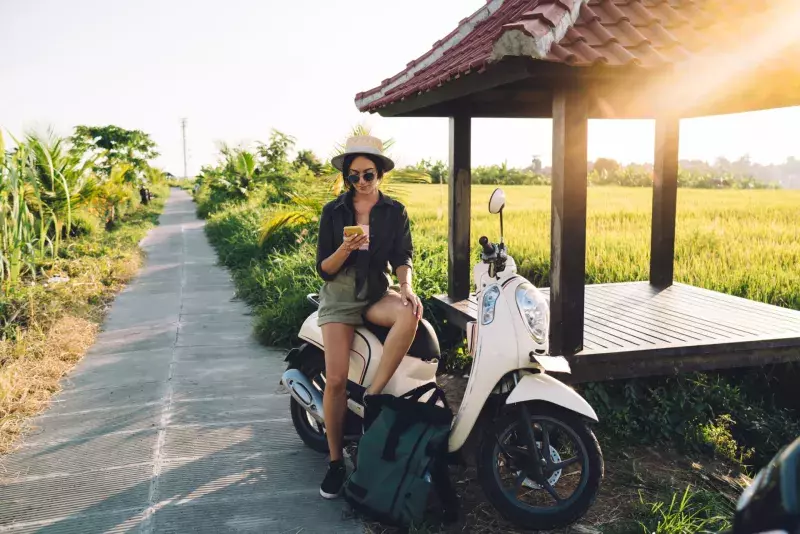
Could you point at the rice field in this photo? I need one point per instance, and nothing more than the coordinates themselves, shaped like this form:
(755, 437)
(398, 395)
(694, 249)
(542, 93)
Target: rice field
(746, 243)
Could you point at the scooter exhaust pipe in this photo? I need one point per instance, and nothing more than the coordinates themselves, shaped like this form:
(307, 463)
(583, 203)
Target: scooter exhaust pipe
(304, 392)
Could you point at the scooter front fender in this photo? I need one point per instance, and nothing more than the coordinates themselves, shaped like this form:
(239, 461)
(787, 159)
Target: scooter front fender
(544, 387)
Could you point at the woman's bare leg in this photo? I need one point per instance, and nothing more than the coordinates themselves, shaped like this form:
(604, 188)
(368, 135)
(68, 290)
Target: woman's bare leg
(391, 313)
(338, 339)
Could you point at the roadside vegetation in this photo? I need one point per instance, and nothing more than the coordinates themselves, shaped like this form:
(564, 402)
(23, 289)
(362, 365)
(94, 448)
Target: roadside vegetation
(71, 219)
(680, 449)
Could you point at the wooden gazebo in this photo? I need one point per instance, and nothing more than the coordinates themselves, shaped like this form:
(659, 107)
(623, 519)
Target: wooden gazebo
(572, 60)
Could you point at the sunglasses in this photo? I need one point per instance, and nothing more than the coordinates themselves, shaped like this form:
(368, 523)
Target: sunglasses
(354, 177)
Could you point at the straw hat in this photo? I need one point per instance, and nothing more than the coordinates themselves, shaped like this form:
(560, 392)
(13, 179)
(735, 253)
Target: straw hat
(363, 144)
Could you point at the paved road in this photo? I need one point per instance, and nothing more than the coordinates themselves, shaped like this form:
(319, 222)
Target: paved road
(174, 421)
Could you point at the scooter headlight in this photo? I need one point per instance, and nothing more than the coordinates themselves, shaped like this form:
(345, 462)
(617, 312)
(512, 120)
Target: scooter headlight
(535, 311)
(489, 302)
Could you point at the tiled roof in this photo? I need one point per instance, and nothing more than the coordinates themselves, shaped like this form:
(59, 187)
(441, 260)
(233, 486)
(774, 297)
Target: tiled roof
(645, 33)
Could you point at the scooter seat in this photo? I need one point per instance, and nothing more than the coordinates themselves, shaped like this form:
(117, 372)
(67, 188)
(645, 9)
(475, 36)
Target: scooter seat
(425, 345)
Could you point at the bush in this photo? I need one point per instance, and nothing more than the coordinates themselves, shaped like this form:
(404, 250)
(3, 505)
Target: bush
(85, 224)
(282, 283)
(733, 414)
(274, 278)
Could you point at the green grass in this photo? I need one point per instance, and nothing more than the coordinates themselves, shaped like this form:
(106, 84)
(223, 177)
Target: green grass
(688, 512)
(746, 243)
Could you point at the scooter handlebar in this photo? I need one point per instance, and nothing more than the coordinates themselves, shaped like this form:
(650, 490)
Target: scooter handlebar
(488, 248)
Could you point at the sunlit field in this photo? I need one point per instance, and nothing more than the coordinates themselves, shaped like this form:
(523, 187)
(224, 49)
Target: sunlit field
(745, 243)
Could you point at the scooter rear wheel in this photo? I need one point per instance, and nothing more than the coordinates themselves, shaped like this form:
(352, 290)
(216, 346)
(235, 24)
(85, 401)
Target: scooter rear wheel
(575, 467)
(311, 432)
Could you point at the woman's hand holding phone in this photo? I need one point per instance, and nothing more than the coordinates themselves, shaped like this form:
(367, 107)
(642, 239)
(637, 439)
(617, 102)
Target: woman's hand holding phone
(354, 241)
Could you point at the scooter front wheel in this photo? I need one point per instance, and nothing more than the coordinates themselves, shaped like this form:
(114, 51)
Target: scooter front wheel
(557, 490)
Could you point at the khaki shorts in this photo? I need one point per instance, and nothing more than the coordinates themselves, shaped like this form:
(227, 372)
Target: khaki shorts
(338, 302)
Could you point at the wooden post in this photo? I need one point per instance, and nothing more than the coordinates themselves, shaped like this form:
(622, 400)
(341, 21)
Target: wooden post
(459, 182)
(665, 192)
(568, 221)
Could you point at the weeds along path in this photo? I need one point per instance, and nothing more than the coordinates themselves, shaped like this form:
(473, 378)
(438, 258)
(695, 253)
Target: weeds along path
(173, 422)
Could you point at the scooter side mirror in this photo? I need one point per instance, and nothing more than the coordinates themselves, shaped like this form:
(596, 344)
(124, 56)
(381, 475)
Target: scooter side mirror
(497, 201)
(772, 501)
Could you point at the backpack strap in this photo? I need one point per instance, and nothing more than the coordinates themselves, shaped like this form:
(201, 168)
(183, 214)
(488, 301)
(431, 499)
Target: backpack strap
(417, 393)
(403, 420)
(443, 486)
(438, 394)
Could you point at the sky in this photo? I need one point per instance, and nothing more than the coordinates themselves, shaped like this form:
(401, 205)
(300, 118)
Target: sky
(237, 69)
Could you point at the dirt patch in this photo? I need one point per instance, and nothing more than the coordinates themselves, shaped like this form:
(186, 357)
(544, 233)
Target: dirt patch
(32, 375)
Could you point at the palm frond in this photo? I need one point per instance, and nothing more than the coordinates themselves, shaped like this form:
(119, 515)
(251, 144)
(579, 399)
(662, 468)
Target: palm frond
(282, 219)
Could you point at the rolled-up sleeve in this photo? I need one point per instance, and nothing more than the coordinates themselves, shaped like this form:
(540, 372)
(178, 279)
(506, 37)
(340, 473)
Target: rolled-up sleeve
(325, 242)
(403, 250)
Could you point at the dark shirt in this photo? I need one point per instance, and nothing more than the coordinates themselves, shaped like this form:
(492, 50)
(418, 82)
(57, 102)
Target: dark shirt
(389, 242)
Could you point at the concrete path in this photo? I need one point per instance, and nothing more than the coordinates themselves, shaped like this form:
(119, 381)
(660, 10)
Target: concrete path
(174, 421)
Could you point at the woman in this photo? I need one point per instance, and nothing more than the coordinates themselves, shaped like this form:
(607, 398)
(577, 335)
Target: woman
(357, 285)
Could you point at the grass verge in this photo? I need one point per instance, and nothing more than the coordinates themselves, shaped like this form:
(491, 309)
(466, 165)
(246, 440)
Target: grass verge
(46, 326)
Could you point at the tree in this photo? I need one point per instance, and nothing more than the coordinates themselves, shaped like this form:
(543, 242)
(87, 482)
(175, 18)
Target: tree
(606, 164)
(437, 171)
(310, 160)
(111, 146)
(276, 153)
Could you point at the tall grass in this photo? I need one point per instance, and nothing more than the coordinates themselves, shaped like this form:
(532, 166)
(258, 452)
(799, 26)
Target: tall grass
(746, 243)
(21, 246)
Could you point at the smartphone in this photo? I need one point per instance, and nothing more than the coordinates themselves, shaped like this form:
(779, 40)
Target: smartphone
(353, 230)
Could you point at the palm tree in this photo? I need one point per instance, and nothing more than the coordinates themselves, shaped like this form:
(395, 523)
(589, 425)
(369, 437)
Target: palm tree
(237, 174)
(62, 181)
(112, 193)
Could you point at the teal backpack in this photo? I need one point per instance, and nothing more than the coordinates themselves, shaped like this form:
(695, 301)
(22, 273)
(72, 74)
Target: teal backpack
(401, 457)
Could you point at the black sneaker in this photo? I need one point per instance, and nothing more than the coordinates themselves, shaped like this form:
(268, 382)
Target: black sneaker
(334, 480)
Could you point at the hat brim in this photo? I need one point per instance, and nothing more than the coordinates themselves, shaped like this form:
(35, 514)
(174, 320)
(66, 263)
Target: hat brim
(338, 161)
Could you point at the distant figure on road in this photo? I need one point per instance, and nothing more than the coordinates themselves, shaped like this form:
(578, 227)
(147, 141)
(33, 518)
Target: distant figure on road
(144, 194)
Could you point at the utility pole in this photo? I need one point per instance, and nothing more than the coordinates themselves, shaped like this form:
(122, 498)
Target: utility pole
(183, 129)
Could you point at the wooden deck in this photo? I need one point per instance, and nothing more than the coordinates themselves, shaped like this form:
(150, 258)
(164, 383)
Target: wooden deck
(632, 329)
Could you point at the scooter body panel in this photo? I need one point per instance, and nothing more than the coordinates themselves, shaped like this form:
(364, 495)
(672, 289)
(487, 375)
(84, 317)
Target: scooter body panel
(502, 346)
(495, 352)
(533, 387)
(365, 357)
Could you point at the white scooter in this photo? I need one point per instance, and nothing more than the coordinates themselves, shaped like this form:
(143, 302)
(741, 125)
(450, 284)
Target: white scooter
(510, 402)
